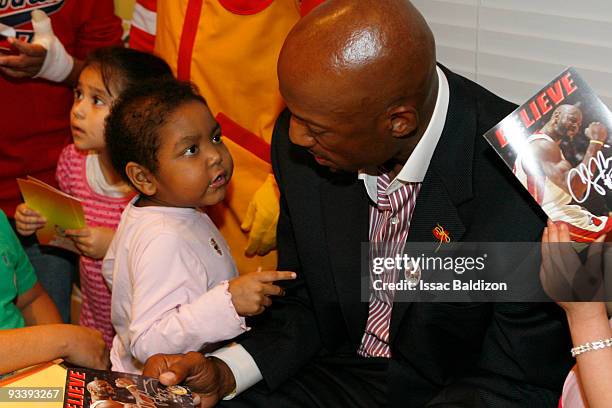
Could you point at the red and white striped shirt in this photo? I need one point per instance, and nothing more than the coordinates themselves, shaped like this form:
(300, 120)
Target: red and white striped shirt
(100, 211)
(389, 225)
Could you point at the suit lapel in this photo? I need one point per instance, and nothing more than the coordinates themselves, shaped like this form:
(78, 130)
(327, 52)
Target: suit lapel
(345, 209)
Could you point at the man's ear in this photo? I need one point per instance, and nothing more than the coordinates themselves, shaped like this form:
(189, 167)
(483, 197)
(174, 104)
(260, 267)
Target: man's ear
(141, 178)
(403, 120)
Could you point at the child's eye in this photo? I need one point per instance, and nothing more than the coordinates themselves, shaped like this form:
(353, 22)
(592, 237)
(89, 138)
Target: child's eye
(216, 138)
(191, 150)
(97, 101)
(78, 95)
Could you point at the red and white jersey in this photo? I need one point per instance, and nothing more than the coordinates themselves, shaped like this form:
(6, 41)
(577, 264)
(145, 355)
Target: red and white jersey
(528, 171)
(144, 25)
(554, 200)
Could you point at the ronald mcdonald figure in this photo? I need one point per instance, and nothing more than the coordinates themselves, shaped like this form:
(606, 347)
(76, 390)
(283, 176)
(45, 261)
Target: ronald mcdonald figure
(229, 49)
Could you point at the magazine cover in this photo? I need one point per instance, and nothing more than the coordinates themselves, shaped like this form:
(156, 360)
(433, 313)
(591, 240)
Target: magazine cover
(61, 210)
(558, 146)
(86, 388)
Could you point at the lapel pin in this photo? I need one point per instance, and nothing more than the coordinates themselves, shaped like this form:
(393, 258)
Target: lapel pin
(441, 234)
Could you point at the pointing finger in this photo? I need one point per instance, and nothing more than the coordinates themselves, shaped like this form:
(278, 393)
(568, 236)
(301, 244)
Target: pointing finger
(271, 276)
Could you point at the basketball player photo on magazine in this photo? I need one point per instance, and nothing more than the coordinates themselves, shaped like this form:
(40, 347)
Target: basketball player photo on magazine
(558, 146)
(103, 389)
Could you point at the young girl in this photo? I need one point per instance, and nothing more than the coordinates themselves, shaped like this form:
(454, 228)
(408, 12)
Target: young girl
(168, 264)
(84, 171)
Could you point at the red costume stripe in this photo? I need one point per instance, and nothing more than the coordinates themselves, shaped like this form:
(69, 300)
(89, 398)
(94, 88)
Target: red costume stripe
(190, 29)
(244, 138)
(245, 7)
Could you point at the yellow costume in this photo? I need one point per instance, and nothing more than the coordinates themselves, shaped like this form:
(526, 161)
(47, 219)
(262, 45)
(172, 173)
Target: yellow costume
(229, 49)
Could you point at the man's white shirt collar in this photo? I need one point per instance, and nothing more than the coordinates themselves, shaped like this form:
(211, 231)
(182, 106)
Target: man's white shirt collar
(416, 166)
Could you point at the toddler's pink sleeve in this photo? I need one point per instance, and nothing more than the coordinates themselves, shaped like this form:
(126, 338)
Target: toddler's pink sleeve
(168, 315)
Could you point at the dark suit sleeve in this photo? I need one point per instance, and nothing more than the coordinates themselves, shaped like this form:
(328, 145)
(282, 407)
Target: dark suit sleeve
(285, 337)
(523, 362)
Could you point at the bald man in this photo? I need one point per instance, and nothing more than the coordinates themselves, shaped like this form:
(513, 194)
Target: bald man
(379, 144)
(554, 182)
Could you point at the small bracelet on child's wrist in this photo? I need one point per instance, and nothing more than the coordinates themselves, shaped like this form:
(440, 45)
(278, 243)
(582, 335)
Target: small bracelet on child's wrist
(599, 142)
(591, 346)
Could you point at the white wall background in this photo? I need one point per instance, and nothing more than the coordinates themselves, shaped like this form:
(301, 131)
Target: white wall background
(515, 47)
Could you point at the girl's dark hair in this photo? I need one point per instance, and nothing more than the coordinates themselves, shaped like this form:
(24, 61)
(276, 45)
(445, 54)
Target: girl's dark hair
(132, 127)
(122, 67)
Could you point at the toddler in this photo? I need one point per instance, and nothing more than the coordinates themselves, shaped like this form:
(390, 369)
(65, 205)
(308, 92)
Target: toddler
(174, 285)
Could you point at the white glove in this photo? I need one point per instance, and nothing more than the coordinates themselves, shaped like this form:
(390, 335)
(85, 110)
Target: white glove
(58, 63)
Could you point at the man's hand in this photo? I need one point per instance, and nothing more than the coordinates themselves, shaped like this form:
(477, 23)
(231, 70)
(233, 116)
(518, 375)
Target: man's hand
(209, 377)
(261, 219)
(92, 241)
(250, 292)
(27, 63)
(28, 221)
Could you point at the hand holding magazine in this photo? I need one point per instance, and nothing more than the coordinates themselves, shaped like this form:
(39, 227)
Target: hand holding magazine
(95, 388)
(61, 211)
(54, 385)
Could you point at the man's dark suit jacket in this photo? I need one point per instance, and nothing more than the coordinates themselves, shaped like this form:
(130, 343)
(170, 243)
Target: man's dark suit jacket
(459, 354)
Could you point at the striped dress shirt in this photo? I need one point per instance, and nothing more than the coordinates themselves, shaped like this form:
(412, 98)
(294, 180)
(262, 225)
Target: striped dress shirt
(389, 225)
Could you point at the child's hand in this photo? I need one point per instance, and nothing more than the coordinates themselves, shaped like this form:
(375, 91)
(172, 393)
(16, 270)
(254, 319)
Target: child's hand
(92, 241)
(28, 221)
(86, 347)
(250, 292)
